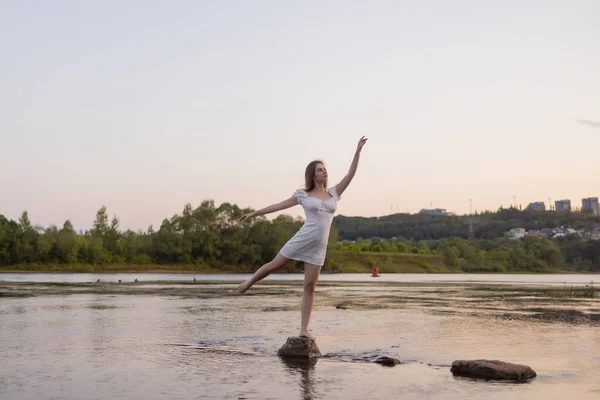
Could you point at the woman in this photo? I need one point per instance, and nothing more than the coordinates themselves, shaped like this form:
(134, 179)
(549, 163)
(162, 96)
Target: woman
(309, 244)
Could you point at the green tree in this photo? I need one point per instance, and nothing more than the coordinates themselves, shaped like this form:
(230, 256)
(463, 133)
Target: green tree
(26, 240)
(402, 247)
(451, 256)
(101, 227)
(67, 244)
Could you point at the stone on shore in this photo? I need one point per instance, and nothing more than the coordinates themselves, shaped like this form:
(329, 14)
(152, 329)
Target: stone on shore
(299, 347)
(492, 370)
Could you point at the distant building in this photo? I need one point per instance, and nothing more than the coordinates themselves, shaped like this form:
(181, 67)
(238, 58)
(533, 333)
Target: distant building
(516, 233)
(434, 211)
(590, 204)
(537, 206)
(562, 205)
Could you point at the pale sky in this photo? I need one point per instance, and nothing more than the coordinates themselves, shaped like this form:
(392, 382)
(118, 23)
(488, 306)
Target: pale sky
(145, 106)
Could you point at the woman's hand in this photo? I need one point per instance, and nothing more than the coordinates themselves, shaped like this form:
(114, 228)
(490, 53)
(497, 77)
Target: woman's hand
(361, 143)
(246, 216)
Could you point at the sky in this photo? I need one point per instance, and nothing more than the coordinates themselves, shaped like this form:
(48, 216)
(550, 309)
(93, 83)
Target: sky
(146, 106)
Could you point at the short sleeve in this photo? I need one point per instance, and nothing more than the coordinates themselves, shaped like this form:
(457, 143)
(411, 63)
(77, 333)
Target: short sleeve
(300, 195)
(334, 192)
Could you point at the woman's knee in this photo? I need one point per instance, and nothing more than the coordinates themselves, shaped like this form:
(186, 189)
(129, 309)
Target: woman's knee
(309, 287)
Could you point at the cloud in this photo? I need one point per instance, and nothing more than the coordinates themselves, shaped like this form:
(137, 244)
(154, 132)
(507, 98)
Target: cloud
(587, 122)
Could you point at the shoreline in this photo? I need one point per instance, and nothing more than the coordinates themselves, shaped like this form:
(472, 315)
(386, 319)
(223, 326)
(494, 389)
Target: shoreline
(337, 263)
(237, 272)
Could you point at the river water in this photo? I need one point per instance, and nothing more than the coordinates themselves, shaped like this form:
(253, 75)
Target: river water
(67, 336)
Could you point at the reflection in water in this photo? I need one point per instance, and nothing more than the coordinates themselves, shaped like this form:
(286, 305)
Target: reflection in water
(306, 369)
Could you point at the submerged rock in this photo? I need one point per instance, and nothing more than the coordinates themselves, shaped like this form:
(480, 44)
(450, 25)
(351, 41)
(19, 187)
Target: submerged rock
(299, 347)
(387, 361)
(492, 369)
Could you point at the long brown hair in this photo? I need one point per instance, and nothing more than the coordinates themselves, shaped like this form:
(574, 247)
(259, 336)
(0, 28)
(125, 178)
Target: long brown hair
(309, 174)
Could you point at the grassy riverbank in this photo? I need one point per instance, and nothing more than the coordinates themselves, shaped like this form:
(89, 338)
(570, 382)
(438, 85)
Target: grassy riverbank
(337, 262)
(118, 268)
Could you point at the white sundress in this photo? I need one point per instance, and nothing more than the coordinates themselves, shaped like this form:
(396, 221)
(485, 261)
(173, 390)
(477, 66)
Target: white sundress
(309, 244)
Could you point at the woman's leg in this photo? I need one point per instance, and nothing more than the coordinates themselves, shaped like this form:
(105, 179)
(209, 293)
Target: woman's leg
(311, 275)
(264, 271)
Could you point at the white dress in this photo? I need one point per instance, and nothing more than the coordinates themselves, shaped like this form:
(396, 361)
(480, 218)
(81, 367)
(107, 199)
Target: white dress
(309, 244)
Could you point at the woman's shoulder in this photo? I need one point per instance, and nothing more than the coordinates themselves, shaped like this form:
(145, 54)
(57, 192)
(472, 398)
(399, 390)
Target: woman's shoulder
(300, 193)
(334, 192)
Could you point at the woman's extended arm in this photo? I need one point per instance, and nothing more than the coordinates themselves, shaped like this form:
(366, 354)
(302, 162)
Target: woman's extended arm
(348, 178)
(282, 205)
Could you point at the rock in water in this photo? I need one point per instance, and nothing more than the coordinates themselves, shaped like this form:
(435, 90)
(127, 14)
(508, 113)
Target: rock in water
(387, 361)
(299, 347)
(492, 369)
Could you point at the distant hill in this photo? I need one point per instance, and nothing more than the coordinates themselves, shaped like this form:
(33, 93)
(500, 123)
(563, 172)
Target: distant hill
(487, 225)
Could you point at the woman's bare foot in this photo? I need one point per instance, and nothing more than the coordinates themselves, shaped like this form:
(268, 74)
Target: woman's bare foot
(307, 334)
(244, 286)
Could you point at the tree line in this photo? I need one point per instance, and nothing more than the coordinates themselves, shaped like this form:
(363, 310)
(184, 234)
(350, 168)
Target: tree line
(211, 235)
(206, 236)
(486, 225)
